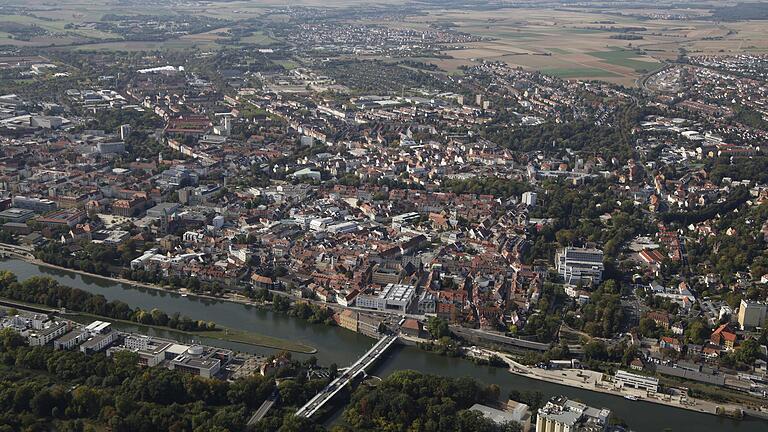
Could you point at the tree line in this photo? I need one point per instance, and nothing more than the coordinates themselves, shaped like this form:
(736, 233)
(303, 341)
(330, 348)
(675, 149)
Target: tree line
(46, 291)
(42, 389)
(411, 401)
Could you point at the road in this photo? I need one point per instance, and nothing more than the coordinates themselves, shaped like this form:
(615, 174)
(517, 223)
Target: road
(515, 343)
(264, 408)
(595, 381)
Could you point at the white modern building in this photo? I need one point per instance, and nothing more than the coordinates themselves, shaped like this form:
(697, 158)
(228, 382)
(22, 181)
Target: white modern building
(196, 361)
(38, 205)
(45, 335)
(563, 415)
(580, 265)
(513, 412)
(393, 298)
(99, 342)
(70, 340)
(125, 131)
(307, 173)
(101, 337)
(752, 314)
(529, 199)
(151, 351)
(640, 382)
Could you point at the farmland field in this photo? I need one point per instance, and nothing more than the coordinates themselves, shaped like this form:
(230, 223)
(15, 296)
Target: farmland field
(584, 72)
(580, 42)
(624, 58)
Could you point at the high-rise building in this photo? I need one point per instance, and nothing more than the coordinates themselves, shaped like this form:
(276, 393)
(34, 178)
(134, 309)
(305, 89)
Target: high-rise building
(529, 199)
(125, 131)
(752, 314)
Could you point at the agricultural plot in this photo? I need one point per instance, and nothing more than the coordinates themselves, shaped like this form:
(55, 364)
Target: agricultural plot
(586, 43)
(589, 44)
(579, 72)
(625, 58)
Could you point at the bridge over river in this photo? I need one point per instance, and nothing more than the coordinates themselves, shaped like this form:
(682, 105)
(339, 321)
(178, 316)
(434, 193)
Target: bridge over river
(350, 375)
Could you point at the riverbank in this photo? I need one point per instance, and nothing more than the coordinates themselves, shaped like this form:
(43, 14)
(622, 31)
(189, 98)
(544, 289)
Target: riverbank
(230, 297)
(593, 381)
(222, 333)
(554, 377)
(182, 291)
(342, 347)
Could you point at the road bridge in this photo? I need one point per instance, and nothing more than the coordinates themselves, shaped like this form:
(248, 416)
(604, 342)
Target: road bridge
(351, 374)
(15, 250)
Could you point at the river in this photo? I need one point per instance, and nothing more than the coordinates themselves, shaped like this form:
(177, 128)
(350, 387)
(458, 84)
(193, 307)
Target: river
(340, 346)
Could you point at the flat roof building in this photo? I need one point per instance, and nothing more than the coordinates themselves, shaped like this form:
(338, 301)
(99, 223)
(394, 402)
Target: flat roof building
(16, 215)
(38, 205)
(63, 218)
(513, 412)
(752, 314)
(197, 361)
(70, 340)
(17, 228)
(163, 209)
(563, 415)
(580, 265)
(394, 298)
(100, 337)
(46, 335)
(641, 382)
(151, 352)
(98, 342)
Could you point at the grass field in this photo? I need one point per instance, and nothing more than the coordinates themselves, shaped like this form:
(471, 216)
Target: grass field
(288, 64)
(258, 38)
(625, 58)
(56, 25)
(144, 45)
(558, 50)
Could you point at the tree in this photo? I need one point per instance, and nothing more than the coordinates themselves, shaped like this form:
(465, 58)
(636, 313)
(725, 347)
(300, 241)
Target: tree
(565, 237)
(748, 351)
(42, 403)
(438, 328)
(44, 290)
(410, 401)
(647, 327)
(595, 350)
(10, 339)
(697, 331)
